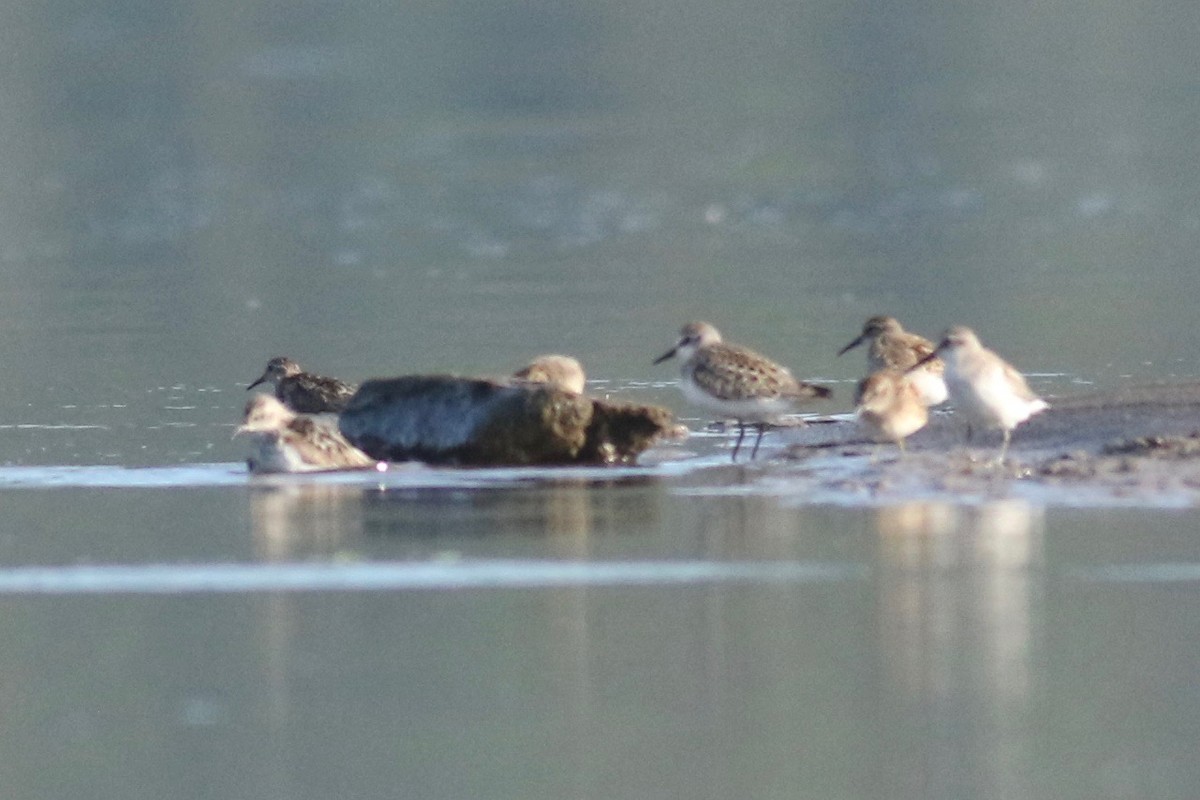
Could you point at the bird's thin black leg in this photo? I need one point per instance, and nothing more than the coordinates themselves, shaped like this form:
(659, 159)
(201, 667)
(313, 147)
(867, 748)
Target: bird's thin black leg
(741, 435)
(762, 428)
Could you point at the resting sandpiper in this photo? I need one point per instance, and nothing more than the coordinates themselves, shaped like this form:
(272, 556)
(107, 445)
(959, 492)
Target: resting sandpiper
(889, 406)
(984, 388)
(289, 442)
(304, 392)
(735, 381)
(561, 372)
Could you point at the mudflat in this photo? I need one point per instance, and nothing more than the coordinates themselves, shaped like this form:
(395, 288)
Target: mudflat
(1134, 443)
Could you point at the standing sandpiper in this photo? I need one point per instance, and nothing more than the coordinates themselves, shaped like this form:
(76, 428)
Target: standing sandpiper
(289, 442)
(735, 381)
(304, 392)
(892, 347)
(561, 372)
(984, 388)
(889, 406)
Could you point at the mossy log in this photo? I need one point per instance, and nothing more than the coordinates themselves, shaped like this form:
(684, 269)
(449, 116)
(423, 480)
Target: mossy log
(444, 419)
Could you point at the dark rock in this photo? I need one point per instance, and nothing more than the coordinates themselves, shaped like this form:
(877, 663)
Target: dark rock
(443, 419)
(619, 432)
(1068, 465)
(1157, 446)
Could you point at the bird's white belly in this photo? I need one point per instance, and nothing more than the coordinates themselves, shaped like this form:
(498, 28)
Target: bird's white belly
(757, 409)
(990, 402)
(930, 386)
(273, 456)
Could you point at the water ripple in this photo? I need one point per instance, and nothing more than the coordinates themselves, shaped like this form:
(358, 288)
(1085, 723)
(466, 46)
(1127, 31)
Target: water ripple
(404, 576)
(1140, 573)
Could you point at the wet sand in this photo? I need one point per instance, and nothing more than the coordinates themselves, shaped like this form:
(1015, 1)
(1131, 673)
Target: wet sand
(1136, 443)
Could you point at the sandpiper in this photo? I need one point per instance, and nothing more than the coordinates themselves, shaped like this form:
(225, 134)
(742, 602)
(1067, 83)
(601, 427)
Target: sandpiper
(985, 388)
(561, 372)
(302, 391)
(736, 381)
(892, 347)
(889, 406)
(289, 442)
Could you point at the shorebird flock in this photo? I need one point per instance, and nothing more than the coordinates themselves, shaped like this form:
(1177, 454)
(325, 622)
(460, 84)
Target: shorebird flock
(908, 374)
(295, 428)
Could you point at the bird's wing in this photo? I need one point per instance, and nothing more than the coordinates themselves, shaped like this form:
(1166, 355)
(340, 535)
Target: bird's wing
(1019, 385)
(319, 445)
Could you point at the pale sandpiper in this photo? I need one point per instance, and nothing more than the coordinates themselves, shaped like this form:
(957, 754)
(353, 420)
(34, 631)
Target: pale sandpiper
(302, 391)
(735, 381)
(889, 406)
(561, 372)
(892, 347)
(984, 388)
(289, 442)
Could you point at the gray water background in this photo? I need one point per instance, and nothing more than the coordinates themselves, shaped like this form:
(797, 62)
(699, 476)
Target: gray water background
(191, 188)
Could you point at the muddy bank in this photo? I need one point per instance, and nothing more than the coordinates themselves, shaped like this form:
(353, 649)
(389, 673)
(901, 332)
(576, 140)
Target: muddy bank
(1134, 442)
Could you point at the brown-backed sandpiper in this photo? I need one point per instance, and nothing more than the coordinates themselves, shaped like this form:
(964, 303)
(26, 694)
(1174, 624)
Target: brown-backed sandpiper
(302, 391)
(288, 442)
(735, 381)
(984, 388)
(892, 347)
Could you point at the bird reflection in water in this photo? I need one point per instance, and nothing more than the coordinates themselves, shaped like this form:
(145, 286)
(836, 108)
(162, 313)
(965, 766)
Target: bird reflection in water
(306, 520)
(958, 591)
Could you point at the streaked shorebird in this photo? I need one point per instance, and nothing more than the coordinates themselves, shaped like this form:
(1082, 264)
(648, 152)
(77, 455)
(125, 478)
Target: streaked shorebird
(889, 406)
(302, 391)
(561, 372)
(984, 388)
(892, 347)
(289, 442)
(735, 381)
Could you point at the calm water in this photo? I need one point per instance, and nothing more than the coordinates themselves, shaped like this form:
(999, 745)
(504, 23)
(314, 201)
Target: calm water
(192, 188)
